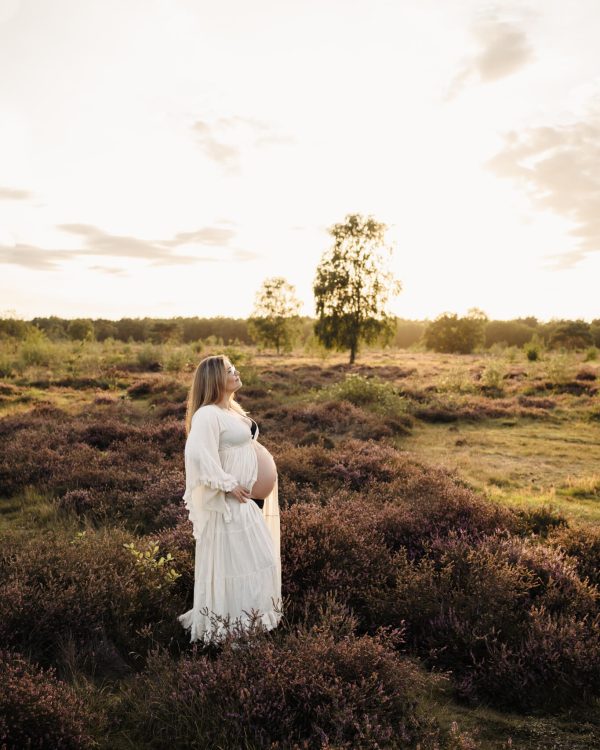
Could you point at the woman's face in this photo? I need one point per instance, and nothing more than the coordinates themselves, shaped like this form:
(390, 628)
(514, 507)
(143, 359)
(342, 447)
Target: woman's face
(233, 381)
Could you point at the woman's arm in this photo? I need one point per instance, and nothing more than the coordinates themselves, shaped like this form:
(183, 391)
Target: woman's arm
(202, 461)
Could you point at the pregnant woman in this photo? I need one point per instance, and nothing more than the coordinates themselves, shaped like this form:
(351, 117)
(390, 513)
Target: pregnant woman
(232, 499)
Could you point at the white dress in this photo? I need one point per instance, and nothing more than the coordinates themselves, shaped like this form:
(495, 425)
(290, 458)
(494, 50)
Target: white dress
(237, 557)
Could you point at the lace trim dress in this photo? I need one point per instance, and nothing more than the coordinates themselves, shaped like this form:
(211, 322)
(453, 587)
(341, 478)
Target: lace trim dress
(237, 572)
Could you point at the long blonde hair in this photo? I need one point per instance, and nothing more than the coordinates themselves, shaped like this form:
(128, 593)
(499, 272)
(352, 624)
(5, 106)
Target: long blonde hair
(208, 387)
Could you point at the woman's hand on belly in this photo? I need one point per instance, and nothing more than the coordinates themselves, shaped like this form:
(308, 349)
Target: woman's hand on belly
(241, 493)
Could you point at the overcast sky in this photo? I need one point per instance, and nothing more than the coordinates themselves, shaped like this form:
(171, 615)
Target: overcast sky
(164, 157)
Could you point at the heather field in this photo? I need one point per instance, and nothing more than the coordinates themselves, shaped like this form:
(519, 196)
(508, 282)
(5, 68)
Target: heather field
(440, 531)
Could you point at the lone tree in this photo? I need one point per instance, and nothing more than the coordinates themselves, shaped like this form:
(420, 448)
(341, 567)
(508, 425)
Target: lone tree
(353, 285)
(275, 319)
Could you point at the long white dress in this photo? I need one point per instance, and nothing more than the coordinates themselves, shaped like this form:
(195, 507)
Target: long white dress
(237, 558)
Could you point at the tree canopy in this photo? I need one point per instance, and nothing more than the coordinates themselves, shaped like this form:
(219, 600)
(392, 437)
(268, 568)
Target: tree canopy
(449, 333)
(352, 286)
(274, 320)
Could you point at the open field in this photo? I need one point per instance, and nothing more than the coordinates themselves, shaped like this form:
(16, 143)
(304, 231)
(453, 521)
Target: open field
(481, 472)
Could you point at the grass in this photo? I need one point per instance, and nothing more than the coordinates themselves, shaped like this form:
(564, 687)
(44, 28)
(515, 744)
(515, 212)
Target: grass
(504, 730)
(524, 463)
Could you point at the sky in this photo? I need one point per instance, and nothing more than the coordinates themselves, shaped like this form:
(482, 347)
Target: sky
(164, 157)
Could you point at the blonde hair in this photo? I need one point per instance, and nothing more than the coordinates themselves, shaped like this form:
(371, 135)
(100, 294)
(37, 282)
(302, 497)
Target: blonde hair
(208, 387)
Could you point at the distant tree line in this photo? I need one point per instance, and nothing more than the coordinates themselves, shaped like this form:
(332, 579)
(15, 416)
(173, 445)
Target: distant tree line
(448, 332)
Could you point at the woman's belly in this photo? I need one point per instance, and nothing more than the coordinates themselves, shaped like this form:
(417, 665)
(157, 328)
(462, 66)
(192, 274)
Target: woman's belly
(266, 472)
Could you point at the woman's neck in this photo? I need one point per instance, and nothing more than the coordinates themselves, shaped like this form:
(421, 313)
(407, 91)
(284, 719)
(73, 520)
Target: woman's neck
(224, 403)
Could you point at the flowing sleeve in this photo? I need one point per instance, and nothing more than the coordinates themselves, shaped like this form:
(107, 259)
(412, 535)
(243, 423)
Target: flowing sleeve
(205, 480)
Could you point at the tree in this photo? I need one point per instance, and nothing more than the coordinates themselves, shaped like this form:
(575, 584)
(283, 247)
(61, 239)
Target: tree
(449, 333)
(275, 317)
(165, 331)
(352, 286)
(572, 334)
(80, 329)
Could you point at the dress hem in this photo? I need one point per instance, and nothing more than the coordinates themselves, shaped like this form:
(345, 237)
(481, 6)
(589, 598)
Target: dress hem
(202, 629)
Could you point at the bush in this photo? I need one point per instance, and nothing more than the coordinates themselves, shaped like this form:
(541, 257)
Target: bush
(349, 544)
(440, 561)
(540, 520)
(307, 689)
(106, 468)
(353, 464)
(532, 352)
(581, 542)
(370, 393)
(39, 711)
(88, 591)
(331, 418)
(497, 613)
(149, 357)
(555, 664)
(492, 376)
(329, 550)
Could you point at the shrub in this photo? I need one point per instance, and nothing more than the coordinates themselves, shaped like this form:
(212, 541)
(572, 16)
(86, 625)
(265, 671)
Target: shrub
(372, 393)
(555, 664)
(37, 350)
(175, 361)
(331, 418)
(426, 502)
(493, 375)
(149, 357)
(106, 468)
(329, 550)
(354, 465)
(39, 711)
(470, 608)
(540, 520)
(532, 352)
(349, 544)
(87, 590)
(581, 542)
(308, 689)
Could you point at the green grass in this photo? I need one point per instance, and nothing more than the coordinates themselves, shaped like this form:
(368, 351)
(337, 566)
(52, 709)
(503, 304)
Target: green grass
(527, 464)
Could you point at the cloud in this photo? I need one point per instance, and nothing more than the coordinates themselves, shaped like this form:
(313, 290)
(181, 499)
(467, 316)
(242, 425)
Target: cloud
(222, 141)
(14, 194)
(159, 252)
(33, 257)
(225, 154)
(559, 168)
(502, 49)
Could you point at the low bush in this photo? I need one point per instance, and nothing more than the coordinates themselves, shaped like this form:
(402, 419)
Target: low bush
(581, 542)
(497, 613)
(108, 469)
(540, 520)
(39, 711)
(446, 565)
(331, 418)
(89, 591)
(555, 664)
(330, 550)
(306, 689)
(372, 393)
(353, 464)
